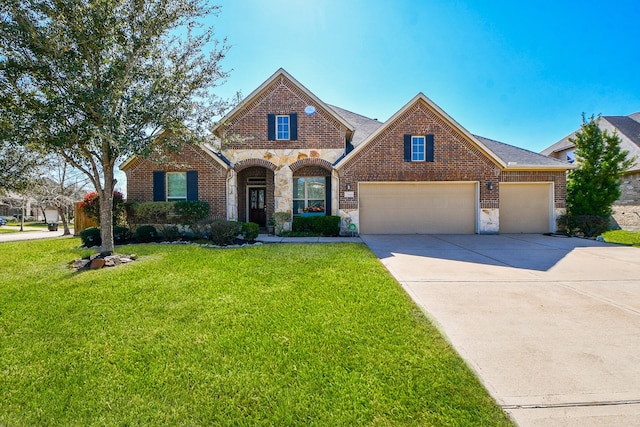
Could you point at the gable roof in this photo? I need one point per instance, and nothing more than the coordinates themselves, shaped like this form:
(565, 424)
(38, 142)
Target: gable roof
(282, 73)
(504, 155)
(628, 128)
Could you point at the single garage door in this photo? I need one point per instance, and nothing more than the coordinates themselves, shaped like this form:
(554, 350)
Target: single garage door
(417, 208)
(526, 208)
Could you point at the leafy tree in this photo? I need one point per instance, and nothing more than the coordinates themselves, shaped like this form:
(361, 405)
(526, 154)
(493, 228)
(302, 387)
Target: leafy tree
(595, 185)
(99, 80)
(18, 166)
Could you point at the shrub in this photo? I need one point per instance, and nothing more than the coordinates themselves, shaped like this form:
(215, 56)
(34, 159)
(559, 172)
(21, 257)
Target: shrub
(323, 225)
(589, 225)
(170, 233)
(279, 221)
(250, 231)
(121, 234)
(153, 212)
(218, 231)
(91, 206)
(91, 237)
(146, 233)
(190, 211)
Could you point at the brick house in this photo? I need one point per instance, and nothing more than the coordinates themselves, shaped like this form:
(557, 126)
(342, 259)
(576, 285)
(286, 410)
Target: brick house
(282, 149)
(626, 210)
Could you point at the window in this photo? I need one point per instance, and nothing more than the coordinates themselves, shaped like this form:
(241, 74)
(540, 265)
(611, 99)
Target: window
(176, 186)
(417, 149)
(282, 127)
(309, 195)
(571, 156)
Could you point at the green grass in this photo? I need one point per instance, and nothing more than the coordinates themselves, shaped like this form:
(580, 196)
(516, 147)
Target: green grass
(622, 237)
(7, 230)
(271, 335)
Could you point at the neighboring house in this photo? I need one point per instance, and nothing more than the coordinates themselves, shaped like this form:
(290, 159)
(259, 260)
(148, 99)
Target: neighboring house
(282, 149)
(626, 210)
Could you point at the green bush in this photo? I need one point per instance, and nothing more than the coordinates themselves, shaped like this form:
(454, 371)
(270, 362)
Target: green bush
(121, 234)
(153, 212)
(322, 225)
(218, 231)
(589, 225)
(170, 233)
(250, 231)
(190, 211)
(91, 237)
(146, 233)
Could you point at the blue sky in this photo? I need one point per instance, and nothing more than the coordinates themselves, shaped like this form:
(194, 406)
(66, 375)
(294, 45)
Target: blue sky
(518, 72)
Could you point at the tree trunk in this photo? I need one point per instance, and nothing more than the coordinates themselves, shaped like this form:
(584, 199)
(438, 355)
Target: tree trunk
(22, 215)
(106, 211)
(65, 223)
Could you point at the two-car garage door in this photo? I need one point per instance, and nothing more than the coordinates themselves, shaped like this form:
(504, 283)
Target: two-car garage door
(418, 208)
(451, 207)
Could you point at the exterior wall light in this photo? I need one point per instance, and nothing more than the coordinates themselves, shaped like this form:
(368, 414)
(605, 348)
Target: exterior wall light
(490, 185)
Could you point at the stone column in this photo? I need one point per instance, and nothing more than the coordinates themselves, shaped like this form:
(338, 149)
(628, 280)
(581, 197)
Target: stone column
(232, 195)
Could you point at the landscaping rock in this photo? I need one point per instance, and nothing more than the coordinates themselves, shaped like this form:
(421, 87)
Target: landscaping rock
(97, 263)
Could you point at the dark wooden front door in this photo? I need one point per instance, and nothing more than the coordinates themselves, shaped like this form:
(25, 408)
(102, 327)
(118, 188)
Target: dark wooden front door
(257, 206)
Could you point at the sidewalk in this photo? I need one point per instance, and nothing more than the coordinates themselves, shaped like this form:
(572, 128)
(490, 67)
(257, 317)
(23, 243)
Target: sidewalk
(30, 233)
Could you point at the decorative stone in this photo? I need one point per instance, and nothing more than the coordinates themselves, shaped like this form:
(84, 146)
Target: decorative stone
(97, 263)
(80, 263)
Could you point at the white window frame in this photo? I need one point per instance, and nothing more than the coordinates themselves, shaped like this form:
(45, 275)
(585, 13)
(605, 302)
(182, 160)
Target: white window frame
(286, 133)
(176, 198)
(306, 193)
(415, 143)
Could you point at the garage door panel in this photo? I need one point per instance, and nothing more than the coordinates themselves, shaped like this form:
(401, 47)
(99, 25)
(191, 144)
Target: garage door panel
(525, 208)
(417, 208)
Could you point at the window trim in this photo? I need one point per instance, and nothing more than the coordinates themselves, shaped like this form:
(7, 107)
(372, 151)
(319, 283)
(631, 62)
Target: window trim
(414, 153)
(306, 193)
(186, 184)
(288, 126)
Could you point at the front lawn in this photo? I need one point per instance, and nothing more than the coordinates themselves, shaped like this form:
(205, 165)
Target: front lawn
(622, 237)
(272, 335)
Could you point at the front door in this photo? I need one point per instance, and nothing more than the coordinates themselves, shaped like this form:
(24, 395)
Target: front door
(257, 206)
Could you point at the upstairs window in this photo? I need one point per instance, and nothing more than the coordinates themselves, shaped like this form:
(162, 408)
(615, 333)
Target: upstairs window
(417, 149)
(282, 127)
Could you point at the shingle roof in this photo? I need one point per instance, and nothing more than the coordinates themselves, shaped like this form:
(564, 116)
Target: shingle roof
(627, 126)
(515, 156)
(363, 126)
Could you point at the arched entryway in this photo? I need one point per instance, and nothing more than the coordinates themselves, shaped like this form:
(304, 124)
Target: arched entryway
(255, 193)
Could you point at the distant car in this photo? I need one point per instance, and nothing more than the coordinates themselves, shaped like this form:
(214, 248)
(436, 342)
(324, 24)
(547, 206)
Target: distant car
(3, 221)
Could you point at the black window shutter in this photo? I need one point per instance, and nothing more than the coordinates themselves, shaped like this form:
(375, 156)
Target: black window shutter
(271, 127)
(407, 148)
(158, 186)
(192, 185)
(293, 126)
(429, 148)
(327, 195)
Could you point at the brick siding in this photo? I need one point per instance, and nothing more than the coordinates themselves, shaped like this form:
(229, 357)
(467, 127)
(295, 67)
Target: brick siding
(455, 158)
(318, 130)
(211, 178)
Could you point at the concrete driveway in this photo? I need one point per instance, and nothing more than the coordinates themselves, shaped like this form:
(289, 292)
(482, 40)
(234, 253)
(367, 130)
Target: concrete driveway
(551, 325)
